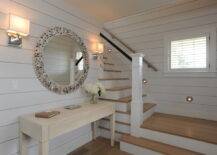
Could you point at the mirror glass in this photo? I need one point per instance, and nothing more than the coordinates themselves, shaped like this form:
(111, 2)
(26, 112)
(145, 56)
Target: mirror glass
(63, 60)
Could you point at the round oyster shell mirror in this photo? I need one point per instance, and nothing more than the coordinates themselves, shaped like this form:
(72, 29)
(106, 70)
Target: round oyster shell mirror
(60, 60)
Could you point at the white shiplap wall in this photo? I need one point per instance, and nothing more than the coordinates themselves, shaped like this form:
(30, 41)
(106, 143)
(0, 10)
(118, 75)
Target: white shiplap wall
(20, 91)
(145, 32)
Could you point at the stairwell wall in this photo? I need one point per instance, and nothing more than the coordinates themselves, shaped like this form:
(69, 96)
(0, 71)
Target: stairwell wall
(145, 33)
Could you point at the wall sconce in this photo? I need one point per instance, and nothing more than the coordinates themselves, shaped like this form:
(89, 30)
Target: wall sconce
(98, 49)
(18, 27)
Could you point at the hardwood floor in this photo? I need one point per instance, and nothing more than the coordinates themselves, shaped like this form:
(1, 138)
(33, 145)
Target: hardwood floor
(199, 129)
(100, 146)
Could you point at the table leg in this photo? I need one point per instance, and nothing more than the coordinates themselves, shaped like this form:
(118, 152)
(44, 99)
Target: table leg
(23, 143)
(112, 128)
(43, 148)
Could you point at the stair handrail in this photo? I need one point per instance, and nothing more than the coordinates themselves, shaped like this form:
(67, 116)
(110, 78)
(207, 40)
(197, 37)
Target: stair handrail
(122, 51)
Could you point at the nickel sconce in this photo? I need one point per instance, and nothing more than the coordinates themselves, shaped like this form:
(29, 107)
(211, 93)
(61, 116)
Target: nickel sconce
(18, 28)
(98, 48)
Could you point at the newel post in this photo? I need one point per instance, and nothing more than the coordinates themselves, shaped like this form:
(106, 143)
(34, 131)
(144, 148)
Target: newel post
(137, 101)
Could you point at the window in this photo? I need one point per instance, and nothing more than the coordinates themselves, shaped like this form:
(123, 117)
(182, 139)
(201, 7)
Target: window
(190, 52)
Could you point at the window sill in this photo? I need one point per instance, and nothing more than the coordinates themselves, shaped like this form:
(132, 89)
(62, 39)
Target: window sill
(190, 74)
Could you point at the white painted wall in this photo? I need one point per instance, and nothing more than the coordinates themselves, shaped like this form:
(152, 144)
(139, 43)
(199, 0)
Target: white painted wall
(145, 32)
(20, 91)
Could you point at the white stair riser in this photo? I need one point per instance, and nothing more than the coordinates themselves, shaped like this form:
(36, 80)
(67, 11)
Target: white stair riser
(122, 107)
(148, 113)
(136, 150)
(187, 143)
(118, 127)
(117, 94)
(113, 67)
(110, 75)
(115, 83)
(106, 134)
(105, 74)
(122, 117)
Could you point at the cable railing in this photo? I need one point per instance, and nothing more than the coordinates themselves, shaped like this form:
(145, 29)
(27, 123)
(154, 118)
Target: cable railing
(123, 52)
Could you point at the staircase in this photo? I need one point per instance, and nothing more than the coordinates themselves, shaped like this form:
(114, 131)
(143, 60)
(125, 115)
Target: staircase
(158, 133)
(118, 90)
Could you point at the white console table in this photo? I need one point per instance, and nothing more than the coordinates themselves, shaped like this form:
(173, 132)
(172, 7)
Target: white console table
(43, 130)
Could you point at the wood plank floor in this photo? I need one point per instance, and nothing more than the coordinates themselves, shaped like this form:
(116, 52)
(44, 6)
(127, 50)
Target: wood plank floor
(100, 146)
(199, 129)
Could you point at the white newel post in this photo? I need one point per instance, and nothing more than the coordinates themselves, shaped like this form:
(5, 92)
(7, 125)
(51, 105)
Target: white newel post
(137, 101)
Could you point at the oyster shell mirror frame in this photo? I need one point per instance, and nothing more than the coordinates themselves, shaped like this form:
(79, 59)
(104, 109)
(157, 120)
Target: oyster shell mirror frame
(41, 68)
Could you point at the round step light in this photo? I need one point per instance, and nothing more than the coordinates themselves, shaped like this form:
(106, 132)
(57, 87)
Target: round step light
(144, 81)
(189, 99)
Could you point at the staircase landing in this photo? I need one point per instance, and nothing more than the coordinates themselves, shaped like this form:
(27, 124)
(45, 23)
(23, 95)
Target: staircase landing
(156, 146)
(199, 129)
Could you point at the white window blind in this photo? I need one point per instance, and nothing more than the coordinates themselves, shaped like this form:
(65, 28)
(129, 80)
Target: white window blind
(189, 53)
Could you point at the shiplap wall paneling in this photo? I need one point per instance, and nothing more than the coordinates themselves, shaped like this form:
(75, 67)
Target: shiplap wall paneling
(20, 91)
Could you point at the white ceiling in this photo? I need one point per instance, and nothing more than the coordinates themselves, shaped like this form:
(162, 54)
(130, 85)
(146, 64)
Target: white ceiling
(108, 10)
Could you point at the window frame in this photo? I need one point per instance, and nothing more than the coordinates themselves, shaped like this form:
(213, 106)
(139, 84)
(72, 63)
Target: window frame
(210, 34)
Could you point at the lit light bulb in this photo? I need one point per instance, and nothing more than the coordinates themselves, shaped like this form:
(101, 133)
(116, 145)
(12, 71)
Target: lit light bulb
(145, 81)
(189, 98)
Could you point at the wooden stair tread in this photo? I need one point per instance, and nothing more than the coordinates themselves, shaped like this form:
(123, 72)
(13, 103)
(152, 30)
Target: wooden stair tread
(104, 79)
(147, 106)
(112, 70)
(126, 99)
(121, 100)
(118, 88)
(157, 146)
(111, 100)
(118, 122)
(107, 63)
(194, 128)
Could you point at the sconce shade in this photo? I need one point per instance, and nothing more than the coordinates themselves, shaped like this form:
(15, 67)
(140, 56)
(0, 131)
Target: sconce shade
(18, 25)
(98, 48)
